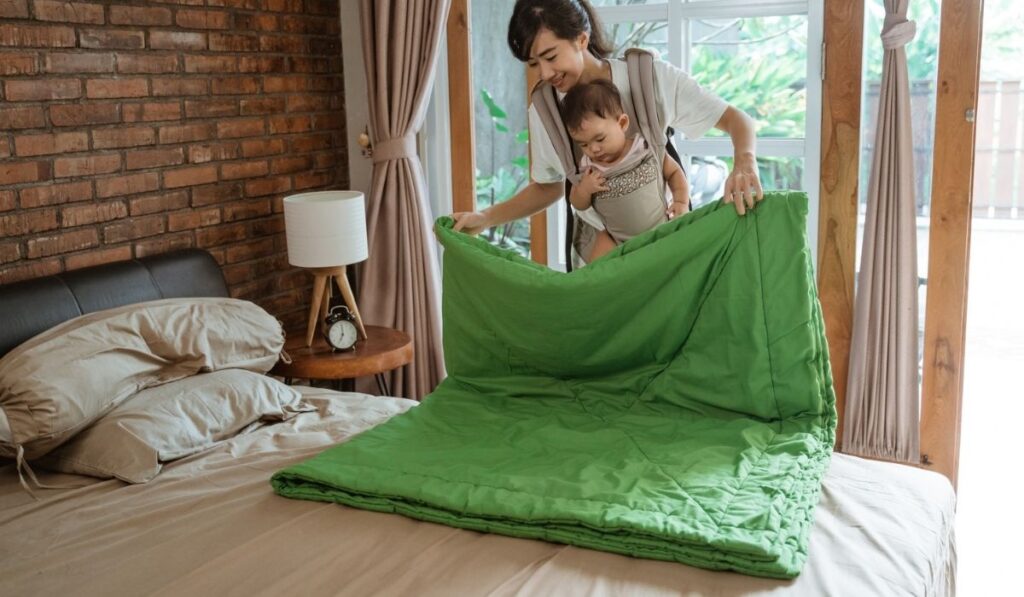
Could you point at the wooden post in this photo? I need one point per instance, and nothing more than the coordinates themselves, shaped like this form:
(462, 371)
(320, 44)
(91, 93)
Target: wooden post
(840, 161)
(324, 279)
(949, 241)
(460, 107)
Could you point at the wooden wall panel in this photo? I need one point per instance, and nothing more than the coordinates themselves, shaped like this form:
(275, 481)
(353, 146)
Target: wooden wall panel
(460, 107)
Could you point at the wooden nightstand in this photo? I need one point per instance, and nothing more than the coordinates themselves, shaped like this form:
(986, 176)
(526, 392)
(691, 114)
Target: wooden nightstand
(383, 350)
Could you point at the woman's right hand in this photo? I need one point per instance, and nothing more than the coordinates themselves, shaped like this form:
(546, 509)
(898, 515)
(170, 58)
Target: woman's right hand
(470, 222)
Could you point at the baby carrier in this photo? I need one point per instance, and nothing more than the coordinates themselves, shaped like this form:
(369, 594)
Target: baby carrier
(647, 116)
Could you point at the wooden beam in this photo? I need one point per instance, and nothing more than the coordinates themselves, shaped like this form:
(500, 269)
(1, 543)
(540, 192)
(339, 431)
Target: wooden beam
(460, 107)
(950, 236)
(538, 222)
(840, 160)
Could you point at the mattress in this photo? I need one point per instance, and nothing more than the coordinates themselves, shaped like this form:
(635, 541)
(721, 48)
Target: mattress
(210, 524)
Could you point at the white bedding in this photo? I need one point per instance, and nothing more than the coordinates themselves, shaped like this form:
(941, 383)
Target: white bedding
(210, 524)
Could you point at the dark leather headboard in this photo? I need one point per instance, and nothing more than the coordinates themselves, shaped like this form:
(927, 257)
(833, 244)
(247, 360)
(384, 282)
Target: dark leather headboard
(33, 306)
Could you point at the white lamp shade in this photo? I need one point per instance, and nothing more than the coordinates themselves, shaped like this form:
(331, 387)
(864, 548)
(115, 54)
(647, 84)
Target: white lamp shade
(325, 228)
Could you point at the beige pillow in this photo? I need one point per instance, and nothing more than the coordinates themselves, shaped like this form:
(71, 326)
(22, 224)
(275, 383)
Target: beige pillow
(172, 421)
(60, 381)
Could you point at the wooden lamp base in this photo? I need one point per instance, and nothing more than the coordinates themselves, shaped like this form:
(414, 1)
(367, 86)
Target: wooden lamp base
(322, 280)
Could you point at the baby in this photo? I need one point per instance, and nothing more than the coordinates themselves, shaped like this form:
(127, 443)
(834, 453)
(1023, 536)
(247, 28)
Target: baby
(622, 179)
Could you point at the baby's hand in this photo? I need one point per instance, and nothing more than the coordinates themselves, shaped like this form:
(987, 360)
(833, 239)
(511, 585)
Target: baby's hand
(592, 182)
(677, 209)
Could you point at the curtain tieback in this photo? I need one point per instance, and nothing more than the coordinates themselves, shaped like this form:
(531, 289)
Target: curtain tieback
(897, 32)
(395, 148)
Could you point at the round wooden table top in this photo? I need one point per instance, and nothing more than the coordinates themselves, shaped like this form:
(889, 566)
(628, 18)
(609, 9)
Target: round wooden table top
(383, 349)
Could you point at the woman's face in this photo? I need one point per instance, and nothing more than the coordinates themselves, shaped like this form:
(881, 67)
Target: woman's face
(558, 61)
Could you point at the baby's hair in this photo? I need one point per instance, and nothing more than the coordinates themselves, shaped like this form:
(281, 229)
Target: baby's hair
(599, 98)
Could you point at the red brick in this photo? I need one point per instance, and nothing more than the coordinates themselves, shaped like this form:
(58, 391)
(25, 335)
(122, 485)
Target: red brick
(123, 137)
(131, 184)
(267, 105)
(65, 242)
(28, 222)
(250, 250)
(328, 46)
(308, 103)
(13, 9)
(5, 147)
(29, 36)
(285, 44)
(9, 251)
(62, 62)
(151, 204)
(313, 65)
(268, 186)
(186, 177)
(53, 194)
(51, 89)
(290, 124)
(211, 64)
(135, 63)
(177, 86)
(263, 64)
(252, 148)
(212, 152)
(283, 5)
(186, 132)
(324, 84)
(19, 172)
(224, 42)
(291, 164)
(268, 226)
(256, 22)
(221, 193)
(243, 170)
(134, 15)
(22, 118)
(230, 129)
(325, 160)
(82, 215)
(30, 270)
(83, 114)
(133, 228)
(163, 244)
(117, 39)
(285, 84)
(308, 143)
(310, 180)
(221, 235)
(68, 12)
(110, 88)
(152, 111)
(211, 108)
(6, 200)
(177, 40)
(154, 158)
(246, 210)
(246, 4)
(49, 144)
(203, 19)
(327, 122)
(21, 63)
(192, 219)
(86, 165)
(236, 273)
(235, 86)
(98, 257)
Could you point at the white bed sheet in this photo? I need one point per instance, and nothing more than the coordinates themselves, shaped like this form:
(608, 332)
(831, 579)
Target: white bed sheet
(210, 524)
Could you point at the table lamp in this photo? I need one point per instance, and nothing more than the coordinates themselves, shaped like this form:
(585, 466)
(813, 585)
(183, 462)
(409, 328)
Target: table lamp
(325, 232)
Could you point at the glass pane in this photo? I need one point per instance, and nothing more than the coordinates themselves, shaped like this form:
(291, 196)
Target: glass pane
(500, 122)
(757, 64)
(650, 35)
(707, 175)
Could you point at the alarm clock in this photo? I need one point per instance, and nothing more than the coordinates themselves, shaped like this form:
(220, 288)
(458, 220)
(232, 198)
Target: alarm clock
(340, 328)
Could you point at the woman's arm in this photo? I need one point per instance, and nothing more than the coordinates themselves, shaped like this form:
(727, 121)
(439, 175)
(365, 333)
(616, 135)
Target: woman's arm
(533, 198)
(743, 186)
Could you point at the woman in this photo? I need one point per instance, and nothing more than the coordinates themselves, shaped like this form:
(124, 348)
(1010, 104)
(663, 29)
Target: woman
(562, 39)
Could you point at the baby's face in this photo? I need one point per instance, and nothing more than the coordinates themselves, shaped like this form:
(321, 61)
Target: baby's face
(602, 139)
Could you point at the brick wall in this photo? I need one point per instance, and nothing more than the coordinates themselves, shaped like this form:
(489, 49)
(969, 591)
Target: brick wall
(129, 128)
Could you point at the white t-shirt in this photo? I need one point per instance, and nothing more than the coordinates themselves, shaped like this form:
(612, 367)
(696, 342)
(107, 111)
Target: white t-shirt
(689, 109)
(638, 145)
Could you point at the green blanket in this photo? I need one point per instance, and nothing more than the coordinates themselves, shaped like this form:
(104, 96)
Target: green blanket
(672, 400)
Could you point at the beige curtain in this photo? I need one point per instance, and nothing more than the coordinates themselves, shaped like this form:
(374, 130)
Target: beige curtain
(882, 413)
(399, 284)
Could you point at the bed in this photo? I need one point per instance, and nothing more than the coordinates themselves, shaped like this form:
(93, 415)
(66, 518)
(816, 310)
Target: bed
(210, 523)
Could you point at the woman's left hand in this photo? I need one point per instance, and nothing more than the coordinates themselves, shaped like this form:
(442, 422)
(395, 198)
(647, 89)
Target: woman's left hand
(743, 187)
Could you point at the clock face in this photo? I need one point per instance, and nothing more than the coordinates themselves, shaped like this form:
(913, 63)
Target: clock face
(342, 334)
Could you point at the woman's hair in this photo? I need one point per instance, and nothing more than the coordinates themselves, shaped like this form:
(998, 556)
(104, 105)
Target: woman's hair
(567, 19)
(599, 98)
